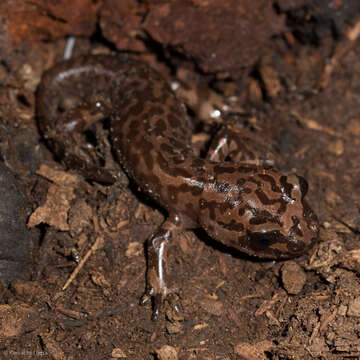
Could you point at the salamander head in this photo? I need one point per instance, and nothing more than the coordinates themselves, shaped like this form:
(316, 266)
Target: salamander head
(285, 226)
(264, 214)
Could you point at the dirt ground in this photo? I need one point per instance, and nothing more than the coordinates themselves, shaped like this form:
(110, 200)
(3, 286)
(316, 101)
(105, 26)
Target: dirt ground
(72, 261)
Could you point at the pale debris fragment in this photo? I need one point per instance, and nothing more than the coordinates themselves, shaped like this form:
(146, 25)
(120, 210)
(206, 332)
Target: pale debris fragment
(56, 207)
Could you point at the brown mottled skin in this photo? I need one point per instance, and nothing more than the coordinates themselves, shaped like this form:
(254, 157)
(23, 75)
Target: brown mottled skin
(252, 208)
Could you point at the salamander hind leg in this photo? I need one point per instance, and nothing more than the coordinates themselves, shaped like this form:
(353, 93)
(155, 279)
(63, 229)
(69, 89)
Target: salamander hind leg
(156, 278)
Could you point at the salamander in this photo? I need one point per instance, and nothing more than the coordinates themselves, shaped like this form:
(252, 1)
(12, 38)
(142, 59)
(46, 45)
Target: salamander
(249, 206)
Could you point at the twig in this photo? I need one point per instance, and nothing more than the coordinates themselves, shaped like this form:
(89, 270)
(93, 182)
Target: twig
(82, 262)
(313, 125)
(327, 320)
(340, 50)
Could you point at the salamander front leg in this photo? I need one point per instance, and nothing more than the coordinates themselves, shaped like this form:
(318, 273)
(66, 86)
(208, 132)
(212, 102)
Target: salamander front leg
(156, 277)
(237, 145)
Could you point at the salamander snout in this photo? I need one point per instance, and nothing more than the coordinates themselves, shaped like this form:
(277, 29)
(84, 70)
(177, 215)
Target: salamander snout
(300, 224)
(282, 225)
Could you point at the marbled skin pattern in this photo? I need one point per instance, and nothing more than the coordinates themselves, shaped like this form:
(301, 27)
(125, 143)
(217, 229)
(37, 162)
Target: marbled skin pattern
(253, 208)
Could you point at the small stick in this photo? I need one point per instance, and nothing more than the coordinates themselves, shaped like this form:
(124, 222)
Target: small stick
(313, 125)
(340, 50)
(82, 262)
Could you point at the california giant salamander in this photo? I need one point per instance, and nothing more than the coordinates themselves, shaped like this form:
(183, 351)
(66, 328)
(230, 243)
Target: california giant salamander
(252, 208)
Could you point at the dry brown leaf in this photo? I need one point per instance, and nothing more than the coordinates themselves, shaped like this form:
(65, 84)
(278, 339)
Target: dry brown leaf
(55, 210)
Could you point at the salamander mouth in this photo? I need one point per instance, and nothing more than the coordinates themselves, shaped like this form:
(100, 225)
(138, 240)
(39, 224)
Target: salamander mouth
(273, 244)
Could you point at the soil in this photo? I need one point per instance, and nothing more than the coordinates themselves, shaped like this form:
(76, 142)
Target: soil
(72, 276)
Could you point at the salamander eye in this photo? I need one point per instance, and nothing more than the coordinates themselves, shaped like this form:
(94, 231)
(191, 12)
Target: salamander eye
(304, 187)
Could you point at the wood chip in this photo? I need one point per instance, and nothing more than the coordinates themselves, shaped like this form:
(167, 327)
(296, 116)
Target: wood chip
(117, 353)
(213, 307)
(293, 277)
(134, 249)
(253, 351)
(167, 352)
